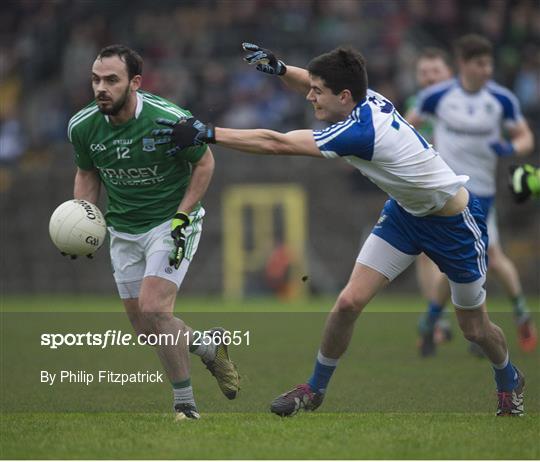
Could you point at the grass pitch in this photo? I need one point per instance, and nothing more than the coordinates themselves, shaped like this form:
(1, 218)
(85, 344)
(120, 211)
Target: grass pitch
(383, 403)
(262, 436)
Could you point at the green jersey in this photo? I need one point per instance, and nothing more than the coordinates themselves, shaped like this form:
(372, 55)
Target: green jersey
(144, 185)
(426, 128)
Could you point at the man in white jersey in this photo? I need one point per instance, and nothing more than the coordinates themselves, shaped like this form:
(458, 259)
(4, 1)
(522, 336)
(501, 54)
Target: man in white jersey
(154, 214)
(429, 211)
(469, 113)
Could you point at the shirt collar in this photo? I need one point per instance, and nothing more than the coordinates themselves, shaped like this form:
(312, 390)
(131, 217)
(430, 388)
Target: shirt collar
(139, 107)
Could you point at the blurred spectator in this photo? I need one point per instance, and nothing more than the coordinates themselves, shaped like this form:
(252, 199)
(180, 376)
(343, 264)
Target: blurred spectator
(12, 142)
(193, 56)
(527, 82)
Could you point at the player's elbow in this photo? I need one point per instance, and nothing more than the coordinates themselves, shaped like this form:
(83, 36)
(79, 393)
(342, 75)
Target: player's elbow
(207, 161)
(275, 144)
(87, 177)
(524, 143)
(529, 143)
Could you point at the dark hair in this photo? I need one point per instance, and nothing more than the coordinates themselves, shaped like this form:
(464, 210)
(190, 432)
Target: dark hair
(472, 46)
(134, 62)
(435, 53)
(342, 69)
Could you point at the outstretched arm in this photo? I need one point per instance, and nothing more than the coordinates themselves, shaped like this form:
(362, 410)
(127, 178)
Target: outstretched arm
(265, 61)
(297, 79)
(192, 132)
(261, 141)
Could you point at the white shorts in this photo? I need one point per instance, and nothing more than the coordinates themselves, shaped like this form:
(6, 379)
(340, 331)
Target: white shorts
(136, 256)
(492, 228)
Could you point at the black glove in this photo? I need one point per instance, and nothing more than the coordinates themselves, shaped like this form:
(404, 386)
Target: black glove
(179, 225)
(184, 133)
(524, 181)
(74, 257)
(264, 59)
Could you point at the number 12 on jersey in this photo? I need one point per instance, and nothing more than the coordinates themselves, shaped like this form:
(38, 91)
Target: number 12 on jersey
(122, 152)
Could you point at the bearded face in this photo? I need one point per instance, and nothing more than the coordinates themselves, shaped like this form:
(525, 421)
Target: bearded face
(111, 84)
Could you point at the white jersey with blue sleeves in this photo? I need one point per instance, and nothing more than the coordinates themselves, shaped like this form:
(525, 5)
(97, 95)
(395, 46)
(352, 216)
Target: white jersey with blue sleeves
(464, 126)
(384, 147)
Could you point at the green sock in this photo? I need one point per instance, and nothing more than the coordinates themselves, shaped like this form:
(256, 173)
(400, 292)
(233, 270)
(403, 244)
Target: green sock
(183, 392)
(520, 307)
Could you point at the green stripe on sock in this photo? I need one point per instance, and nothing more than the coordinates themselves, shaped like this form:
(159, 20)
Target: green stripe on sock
(519, 305)
(186, 383)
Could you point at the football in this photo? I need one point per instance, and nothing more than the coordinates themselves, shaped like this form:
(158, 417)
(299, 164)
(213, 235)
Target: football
(77, 227)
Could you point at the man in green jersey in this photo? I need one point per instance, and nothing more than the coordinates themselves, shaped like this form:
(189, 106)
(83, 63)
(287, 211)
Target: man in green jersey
(154, 213)
(432, 66)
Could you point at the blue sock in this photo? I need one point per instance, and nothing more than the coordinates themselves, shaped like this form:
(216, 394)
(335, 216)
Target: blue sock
(434, 313)
(505, 375)
(324, 368)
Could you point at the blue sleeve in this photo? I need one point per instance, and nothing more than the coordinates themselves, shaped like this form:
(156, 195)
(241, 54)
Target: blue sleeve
(428, 99)
(348, 138)
(510, 105)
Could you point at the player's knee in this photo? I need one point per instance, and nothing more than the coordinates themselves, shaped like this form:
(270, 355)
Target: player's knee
(143, 329)
(347, 302)
(473, 333)
(495, 263)
(475, 327)
(152, 314)
(473, 336)
(139, 326)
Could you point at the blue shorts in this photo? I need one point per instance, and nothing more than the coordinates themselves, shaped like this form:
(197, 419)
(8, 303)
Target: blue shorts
(457, 244)
(485, 204)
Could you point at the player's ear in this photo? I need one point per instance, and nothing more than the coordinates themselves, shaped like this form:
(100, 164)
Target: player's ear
(345, 97)
(136, 82)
